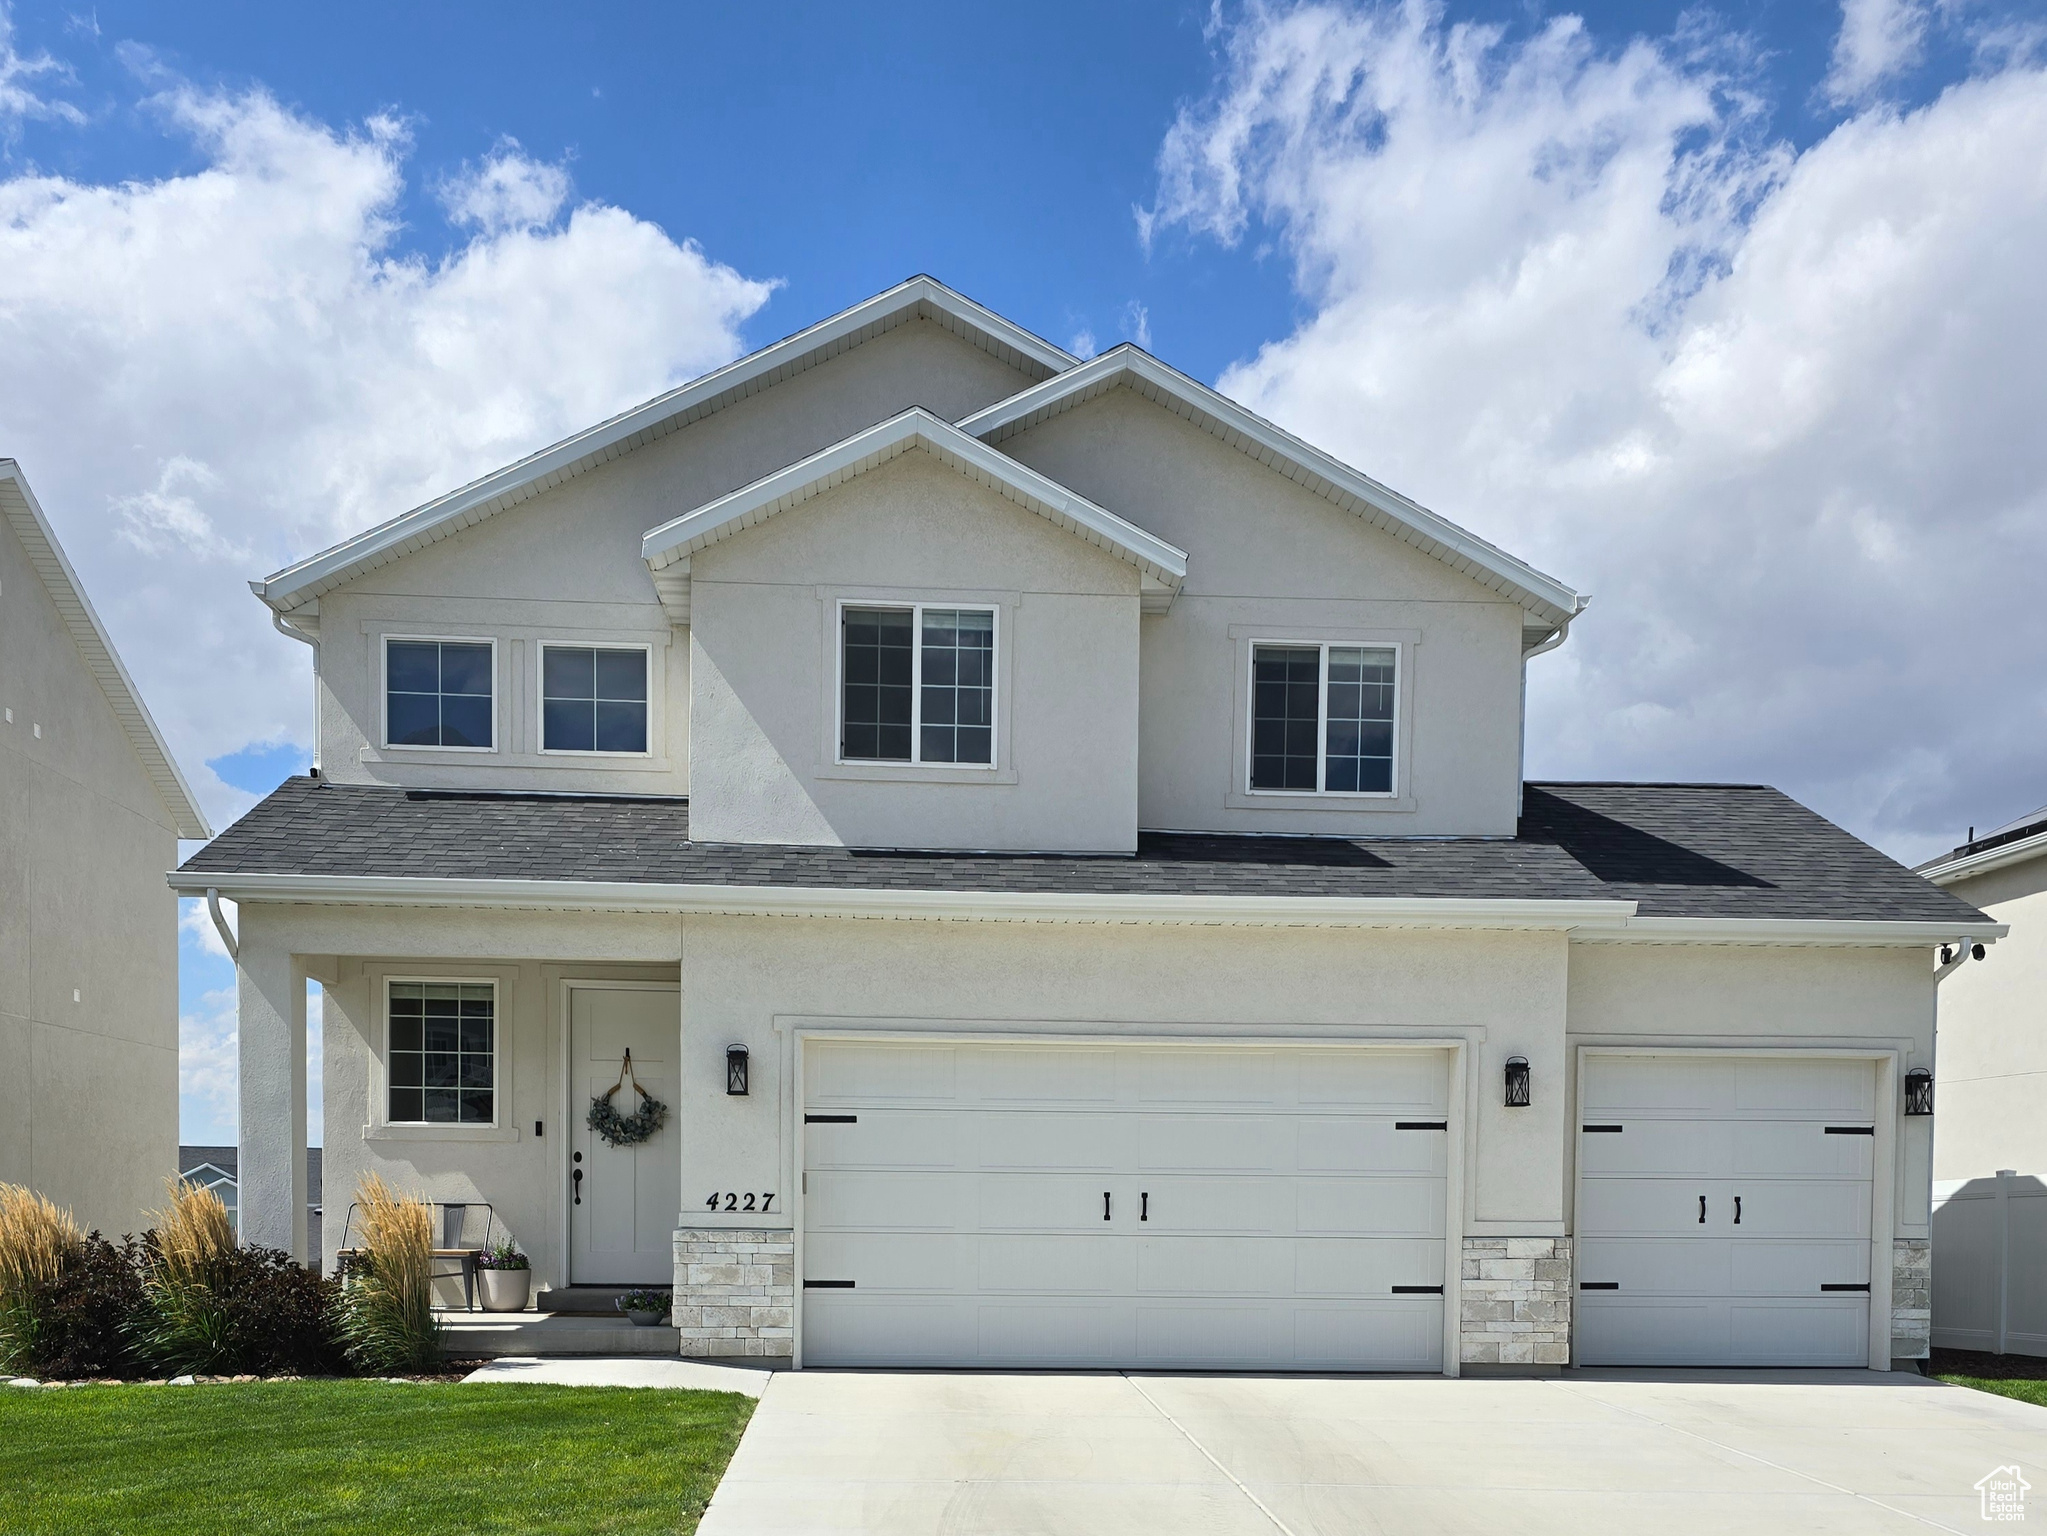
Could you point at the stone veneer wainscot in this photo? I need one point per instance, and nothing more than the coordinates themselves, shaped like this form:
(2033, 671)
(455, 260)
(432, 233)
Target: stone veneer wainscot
(1911, 1298)
(735, 1291)
(1515, 1302)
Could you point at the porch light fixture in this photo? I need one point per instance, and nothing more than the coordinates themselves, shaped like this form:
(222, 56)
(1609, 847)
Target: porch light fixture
(1919, 1092)
(1517, 1082)
(735, 1070)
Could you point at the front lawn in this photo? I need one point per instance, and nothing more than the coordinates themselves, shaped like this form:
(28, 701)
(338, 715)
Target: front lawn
(2021, 1376)
(384, 1457)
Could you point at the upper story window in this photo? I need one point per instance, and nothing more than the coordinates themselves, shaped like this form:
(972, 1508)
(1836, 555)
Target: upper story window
(593, 698)
(1322, 718)
(917, 685)
(442, 1056)
(438, 693)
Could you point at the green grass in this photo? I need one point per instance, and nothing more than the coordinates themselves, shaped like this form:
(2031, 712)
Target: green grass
(385, 1457)
(2021, 1376)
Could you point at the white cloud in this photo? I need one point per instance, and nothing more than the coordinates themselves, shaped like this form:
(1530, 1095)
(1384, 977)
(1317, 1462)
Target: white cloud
(509, 191)
(197, 925)
(23, 80)
(213, 373)
(209, 1068)
(1774, 409)
(1878, 39)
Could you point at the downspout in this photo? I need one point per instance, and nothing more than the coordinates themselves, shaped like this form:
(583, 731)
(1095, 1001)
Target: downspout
(227, 934)
(1563, 633)
(278, 622)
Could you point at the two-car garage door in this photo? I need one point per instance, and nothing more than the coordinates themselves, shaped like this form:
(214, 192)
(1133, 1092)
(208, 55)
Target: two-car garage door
(1724, 1208)
(1056, 1204)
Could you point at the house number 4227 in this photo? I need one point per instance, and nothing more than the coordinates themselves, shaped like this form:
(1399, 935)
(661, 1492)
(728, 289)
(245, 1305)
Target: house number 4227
(727, 1201)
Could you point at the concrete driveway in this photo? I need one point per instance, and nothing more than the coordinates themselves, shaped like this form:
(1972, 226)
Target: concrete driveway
(1592, 1452)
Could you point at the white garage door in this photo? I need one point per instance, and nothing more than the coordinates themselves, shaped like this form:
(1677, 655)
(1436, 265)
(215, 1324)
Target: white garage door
(1124, 1205)
(1724, 1211)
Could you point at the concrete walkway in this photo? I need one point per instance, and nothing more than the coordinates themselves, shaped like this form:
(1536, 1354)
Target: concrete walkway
(640, 1371)
(1664, 1453)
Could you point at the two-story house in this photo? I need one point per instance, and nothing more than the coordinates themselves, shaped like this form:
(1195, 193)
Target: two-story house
(1056, 846)
(91, 809)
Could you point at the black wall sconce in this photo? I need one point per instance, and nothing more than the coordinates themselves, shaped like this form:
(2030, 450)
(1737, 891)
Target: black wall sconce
(735, 1070)
(1517, 1082)
(1919, 1092)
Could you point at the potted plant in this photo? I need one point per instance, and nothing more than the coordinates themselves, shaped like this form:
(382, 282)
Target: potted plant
(505, 1277)
(645, 1308)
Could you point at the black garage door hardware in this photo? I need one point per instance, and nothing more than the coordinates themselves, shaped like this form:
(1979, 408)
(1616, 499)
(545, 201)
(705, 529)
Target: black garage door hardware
(1417, 1290)
(828, 1285)
(1862, 1287)
(1851, 1130)
(1612, 1130)
(1421, 1125)
(831, 1119)
(1599, 1285)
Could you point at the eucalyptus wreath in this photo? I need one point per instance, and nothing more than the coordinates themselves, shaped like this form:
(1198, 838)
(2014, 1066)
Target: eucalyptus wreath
(626, 1130)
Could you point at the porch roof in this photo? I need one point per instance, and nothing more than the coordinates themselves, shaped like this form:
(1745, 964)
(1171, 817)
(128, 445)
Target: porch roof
(1719, 852)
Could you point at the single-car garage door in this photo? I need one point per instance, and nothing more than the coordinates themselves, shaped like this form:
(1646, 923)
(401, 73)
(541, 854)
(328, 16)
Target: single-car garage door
(1124, 1205)
(1724, 1210)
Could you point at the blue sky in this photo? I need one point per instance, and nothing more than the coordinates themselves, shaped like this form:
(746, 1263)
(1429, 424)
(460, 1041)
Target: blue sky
(1726, 314)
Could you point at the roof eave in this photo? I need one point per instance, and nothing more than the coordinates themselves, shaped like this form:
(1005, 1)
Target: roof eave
(1947, 870)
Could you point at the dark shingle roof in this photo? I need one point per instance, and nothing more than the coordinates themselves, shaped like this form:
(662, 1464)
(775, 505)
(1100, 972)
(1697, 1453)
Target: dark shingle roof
(1680, 850)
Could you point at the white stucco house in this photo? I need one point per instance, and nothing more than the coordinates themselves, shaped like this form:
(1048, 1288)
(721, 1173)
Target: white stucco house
(91, 809)
(1990, 1148)
(1057, 845)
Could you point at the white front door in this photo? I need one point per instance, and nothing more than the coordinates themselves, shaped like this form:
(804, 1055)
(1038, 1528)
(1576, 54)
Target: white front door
(1724, 1208)
(623, 1201)
(1236, 1207)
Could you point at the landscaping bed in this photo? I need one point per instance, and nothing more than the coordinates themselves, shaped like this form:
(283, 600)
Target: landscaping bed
(396, 1457)
(2018, 1376)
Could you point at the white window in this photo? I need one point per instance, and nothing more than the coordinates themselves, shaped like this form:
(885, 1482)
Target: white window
(441, 1052)
(1322, 718)
(917, 685)
(593, 698)
(440, 693)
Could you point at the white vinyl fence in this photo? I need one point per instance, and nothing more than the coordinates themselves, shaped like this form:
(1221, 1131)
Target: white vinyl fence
(1990, 1265)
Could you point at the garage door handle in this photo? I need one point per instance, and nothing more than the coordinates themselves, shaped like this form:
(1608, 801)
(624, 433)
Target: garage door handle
(1105, 1205)
(1144, 1206)
(1737, 1210)
(1702, 1210)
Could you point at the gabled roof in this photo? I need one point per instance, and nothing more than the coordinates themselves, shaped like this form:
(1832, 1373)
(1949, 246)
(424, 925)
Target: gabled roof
(18, 504)
(667, 549)
(921, 298)
(1548, 601)
(2015, 842)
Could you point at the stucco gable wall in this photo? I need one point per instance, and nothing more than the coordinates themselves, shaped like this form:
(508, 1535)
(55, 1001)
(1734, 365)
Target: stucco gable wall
(764, 633)
(88, 1085)
(567, 564)
(1992, 1070)
(1269, 559)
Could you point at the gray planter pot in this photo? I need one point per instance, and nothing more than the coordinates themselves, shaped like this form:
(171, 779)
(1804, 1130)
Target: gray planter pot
(646, 1319)
(504, 1290)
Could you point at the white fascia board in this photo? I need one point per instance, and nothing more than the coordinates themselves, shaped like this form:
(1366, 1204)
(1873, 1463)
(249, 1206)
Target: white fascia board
(1806, 931)
(1552, 602)
(676, 541)
(96, 649)
(1948, 871)
(971, 906)
(924, 297)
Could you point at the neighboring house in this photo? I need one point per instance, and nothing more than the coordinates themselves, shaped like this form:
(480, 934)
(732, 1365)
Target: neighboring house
(1057, 846)
(1990, 1232)
(215, 1168)
(91, 810)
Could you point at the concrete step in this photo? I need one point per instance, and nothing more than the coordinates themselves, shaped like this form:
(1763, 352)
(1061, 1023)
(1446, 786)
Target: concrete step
(581, 1298)
(544, 1335)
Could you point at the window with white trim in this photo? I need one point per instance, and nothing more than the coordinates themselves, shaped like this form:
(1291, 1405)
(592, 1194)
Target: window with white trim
(593, 698)
(438, 693)
(1322, 718)
(441, 1052)
(917, 685)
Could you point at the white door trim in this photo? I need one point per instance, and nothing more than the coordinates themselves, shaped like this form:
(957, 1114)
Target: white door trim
(566, 1073)
(1883, 1181)
(1453, 1217)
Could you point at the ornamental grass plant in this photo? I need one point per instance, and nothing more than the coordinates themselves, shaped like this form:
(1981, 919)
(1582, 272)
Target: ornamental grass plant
(387, 1293)
(38, 1240)
(186, 1323)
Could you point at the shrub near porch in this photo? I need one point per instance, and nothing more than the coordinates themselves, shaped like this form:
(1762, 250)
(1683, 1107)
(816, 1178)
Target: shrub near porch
(349, 1456)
